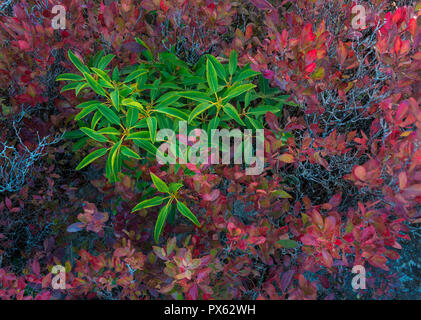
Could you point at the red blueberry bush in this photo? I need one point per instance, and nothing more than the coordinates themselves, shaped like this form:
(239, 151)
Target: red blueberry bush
(340, 110)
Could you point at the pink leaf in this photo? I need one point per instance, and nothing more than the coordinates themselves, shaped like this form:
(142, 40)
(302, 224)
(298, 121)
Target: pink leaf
(286, 279)
(262, 4)
(211, 196)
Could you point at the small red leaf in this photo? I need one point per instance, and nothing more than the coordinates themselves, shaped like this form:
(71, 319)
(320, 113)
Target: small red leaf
(8, 203)
(310, 68)
(311, 56)
(402, 180)
(360, 172)
(341, 52)
(398, 45)
(35, 267)
(211, 196)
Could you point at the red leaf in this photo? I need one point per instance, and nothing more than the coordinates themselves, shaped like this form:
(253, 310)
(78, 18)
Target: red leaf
(249, 32)
(412, 27)
(272, 121)
(35, 267)
(211, 6)
(335, 200)
(402, 180)
(360, 172)
(327, 258)
(311, 56)
(8, 203)
(308, 240)
(398, 45)
(211, 196)
(262, 4)
(23, 45)
(412, 191)
(341, 52)
(379, 261)
(310, 68)
(193, 292)
(163, 6)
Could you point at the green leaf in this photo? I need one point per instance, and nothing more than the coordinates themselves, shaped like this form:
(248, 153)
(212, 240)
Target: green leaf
(77, 63)
(187, 213)
(152, 126)
(88, 103)
(199, 110)
(288, 244)
(110, 131)
(236, 91)
(95, 119)
(104, 76)
(115, 99)
(71, 86)
(96, 58)
(132, 117)
(211, 76)
(282, 194)
(176, 113)
(75, 134)
(135, 74)
(69, 77)
(174, 187)
(148, 53)
(91, 157)
(80, 144)
(159, 184)
(167, 99)
(155, 201)
(306, 219)
(245, 74)
(109, 114)
(146, 145)
(232, 112)
(262, 110)
(219, 68)
(129, 153)
(116, 74)
(80, 87)
(131, 103)
(94, 135)
(113, 158)
(162, 216)
(195, 95)
(154, 90)
(213, 124)
(85, 111)
(105, 61)
(140, 135)
(256, 125)
(232, 66)
(95, 85)
(247, 99)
